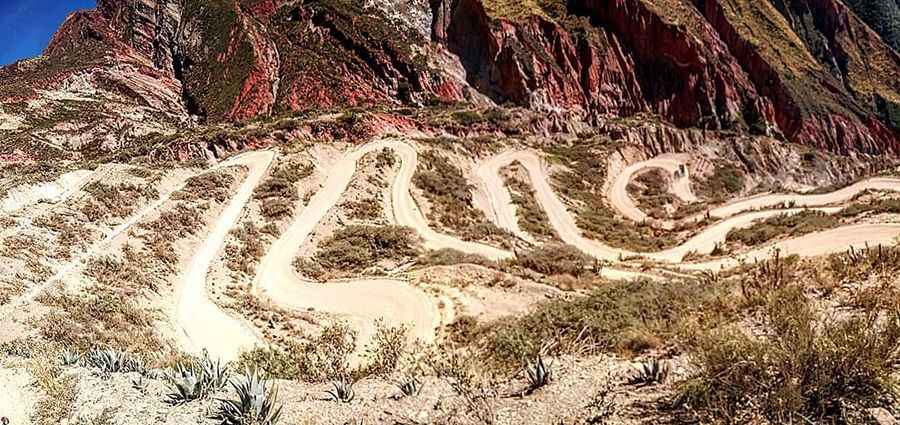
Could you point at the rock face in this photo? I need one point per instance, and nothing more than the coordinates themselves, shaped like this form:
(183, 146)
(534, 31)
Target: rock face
(808, 71)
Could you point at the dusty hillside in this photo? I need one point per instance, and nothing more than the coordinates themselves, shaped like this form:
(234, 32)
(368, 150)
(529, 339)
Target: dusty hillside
(453, 212)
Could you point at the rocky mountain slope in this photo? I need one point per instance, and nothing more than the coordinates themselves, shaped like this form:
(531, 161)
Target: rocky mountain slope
(807, 71)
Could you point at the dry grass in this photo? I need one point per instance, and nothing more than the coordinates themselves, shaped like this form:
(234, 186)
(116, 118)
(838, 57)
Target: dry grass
(58, 390)
(114, 201)
(106, 317)
(450, 195)
(806, 367)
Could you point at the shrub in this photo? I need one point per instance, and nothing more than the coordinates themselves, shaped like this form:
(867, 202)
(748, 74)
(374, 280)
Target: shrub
(467, 117)
(323, 358)
(365, 209)
(387, 349)
(792, 225)
(309, 268)
(804, 368)
(726, 181)
(555, 258)
(452, 257)
(209, 186)
(355, 248)
(624, 316)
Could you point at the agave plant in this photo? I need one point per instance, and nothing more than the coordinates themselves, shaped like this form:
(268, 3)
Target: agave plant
(410, 386)
(256, 403)
(651, 372)
(342, 391)
(539, 374)
(196, 379)
(214, 373)
(69, 358)
(186, 385)
(112, 361)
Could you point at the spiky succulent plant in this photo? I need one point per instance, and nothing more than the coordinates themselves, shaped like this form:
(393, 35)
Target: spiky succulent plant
(539, 374)
(256, 403)
(195, 379)
(69, 358)
(341, 391)
(112, 361)
(650, 372)
(410, 386)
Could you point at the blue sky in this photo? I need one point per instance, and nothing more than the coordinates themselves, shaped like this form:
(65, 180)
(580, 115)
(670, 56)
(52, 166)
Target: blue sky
(27, 25)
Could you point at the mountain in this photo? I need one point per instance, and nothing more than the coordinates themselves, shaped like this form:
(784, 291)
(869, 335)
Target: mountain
(807, 71)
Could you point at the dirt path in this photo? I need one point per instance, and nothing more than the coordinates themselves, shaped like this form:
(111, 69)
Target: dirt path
(200, 322)
(795, 200)
(17, 400)
(360, 301)
(674, 164)
(53, 192)
(703, 243)
(820, 243)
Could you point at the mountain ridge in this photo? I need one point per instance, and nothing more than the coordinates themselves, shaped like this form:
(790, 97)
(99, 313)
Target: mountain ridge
(805, 71)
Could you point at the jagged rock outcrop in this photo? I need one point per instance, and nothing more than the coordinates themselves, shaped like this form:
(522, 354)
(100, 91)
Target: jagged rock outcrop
(807, 71)
(695, 63)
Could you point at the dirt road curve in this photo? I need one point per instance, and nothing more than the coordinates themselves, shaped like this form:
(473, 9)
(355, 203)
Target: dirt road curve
(201, 324)
(364, 300)
(674, 164)
(704, 242)
(794, 200)
(820, 243)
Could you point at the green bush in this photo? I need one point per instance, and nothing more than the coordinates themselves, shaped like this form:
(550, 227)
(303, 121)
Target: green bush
(556, 258)
(804, 369)
(355, 248)
(791, 225)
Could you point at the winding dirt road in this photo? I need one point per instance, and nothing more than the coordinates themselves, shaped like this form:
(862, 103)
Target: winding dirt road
(201, 323)
(362, 301)
(835, 240)
(674, 164)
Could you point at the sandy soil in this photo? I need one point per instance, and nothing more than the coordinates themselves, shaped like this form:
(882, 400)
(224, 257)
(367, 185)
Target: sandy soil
(17, 399)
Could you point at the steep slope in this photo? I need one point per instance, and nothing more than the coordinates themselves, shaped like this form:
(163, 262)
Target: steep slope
(807, 71)
(883, 16)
